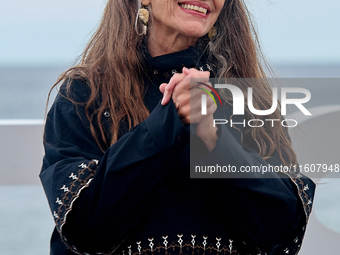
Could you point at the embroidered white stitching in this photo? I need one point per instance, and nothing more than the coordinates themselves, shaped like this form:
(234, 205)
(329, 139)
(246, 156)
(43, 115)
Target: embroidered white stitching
(165, 242)
(82, 165)
(65, 188)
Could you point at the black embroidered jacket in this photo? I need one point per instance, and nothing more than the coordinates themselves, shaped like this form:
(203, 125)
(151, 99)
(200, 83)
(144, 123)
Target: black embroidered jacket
(138, 198)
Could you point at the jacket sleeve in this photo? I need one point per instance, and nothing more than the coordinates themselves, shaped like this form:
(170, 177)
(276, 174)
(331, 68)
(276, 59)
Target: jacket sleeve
(85, 186)
(269, 211)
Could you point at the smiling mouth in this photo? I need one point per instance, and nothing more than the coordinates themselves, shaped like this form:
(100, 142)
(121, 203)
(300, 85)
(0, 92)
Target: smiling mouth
(193, 8)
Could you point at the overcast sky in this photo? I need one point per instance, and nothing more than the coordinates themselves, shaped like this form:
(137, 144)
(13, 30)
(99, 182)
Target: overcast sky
(46, 32)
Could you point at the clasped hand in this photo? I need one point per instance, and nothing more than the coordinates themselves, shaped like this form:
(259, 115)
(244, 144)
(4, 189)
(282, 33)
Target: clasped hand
(187, 99)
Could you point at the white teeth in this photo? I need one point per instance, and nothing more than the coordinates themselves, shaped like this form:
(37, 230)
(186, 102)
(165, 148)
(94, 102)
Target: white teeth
(194, 7)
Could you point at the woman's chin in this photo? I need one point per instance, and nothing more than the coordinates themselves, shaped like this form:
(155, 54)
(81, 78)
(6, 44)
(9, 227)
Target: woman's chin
(193, 32)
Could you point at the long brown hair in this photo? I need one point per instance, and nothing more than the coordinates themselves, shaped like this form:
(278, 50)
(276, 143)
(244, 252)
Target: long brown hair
(112, 67)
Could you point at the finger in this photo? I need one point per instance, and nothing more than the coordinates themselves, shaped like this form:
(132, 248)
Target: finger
(196, 105)
(198, 77)
(175, 79)
(189, 108)
(196, 102)
(181, 99)
(183, 88)
(205, 85)
(166, 97)
(186, 82)
(184, 114)
(191, 70)
(162, 87)
(185, 70)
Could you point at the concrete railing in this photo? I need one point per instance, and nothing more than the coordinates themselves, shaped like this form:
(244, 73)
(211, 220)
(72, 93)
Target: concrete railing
(21, 151)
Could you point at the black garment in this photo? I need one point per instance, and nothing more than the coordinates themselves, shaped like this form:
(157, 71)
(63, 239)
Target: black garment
(137, 197)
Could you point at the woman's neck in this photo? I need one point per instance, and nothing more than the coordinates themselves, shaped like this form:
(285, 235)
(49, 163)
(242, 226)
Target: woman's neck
(166, 43)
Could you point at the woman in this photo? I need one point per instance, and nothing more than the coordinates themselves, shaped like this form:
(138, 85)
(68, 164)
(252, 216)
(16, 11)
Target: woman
(116, 165)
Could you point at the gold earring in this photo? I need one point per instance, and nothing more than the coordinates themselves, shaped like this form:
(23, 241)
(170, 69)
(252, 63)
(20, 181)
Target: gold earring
(143, 15)
(212, 32)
